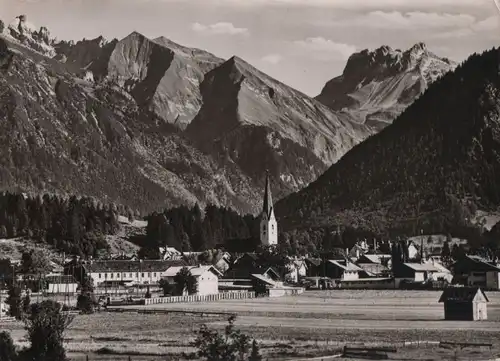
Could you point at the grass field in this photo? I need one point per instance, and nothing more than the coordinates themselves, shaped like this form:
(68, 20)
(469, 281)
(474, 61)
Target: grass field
(312, 324)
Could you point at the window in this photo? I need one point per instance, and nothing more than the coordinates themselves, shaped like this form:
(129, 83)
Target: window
(130, 275)
(111, 275)
(154, 274)
(100, 275)
(117, 275)
(137, 274)
(149, 274)
(142, 274)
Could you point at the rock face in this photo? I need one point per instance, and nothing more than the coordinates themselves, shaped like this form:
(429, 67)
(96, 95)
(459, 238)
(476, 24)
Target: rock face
(431, 169)
(376, 86)
(27, 34)
(150, 123)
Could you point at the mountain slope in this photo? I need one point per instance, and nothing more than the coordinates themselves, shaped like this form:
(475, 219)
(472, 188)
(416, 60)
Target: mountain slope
(150, 123)
(376, 86)
(256, 122)
(431, 169)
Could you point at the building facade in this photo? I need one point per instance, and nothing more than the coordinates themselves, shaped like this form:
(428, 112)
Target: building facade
(268, 223)
(464, 304)
(207, 278)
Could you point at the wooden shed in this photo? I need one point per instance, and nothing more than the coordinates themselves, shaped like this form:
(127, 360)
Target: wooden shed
(464, 303)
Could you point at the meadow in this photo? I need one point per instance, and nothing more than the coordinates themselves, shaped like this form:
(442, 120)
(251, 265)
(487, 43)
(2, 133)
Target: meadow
(313, 324)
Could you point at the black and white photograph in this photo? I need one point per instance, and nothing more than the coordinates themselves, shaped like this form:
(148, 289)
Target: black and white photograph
(249, 180)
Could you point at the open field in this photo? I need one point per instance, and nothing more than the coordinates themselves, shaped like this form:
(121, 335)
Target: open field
(312, 324)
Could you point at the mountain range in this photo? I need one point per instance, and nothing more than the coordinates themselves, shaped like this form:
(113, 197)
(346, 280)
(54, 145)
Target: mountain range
(431, 170)
(376, 86)
(149, 123)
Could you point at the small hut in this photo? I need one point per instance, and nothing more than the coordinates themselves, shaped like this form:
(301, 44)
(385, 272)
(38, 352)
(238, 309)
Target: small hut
(464, 303)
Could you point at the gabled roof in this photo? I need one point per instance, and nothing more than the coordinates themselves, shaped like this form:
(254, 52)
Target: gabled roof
(195, 270)
(461, 294)
(474, 263)
(347, 267)
(373, 258)
(422, 267)
(264, 279)
(313, 261)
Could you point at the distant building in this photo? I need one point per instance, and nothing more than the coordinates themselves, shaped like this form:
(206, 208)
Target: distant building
(59, 284)
(296, 269)
(170, 253)
(121, 273)
(475, 271)
(268, 223)
(415, 272)
(207, 278)
(374, 264)
(464, 303)
(4, 309)
(341, 270)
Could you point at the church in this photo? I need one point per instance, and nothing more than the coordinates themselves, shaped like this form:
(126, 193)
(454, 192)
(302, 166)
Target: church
(268, 224)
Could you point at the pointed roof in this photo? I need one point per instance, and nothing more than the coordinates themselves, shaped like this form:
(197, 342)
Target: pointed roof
(461, 294)
(267, 209)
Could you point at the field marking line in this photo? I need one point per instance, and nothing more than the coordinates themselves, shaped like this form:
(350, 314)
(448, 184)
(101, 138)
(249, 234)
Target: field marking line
(320, 358)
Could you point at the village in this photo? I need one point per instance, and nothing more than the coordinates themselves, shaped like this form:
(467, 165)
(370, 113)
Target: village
(196, 283)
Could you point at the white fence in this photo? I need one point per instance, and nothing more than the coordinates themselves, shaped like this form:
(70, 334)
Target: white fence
(201, 298)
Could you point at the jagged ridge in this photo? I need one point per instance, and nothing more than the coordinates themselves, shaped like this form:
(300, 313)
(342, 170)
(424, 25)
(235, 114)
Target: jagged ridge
(376, 86)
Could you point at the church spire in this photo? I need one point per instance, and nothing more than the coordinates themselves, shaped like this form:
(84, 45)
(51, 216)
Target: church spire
(268, 200)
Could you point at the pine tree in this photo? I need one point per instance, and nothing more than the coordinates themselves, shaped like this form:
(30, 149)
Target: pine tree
(255, 353)
(15, 302)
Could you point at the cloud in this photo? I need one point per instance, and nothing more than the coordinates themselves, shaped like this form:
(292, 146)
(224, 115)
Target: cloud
(222, 28)
(353, 4)
(272, 59)
(485, 28)
(325, 49)
(407, 21)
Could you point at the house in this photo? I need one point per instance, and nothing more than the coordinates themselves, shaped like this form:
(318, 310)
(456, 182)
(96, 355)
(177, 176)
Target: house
(222, 261)
(442, 272)
(296, 269)
(170, 253)
(376, 264)
(476, 271)
(57, 284)
(244, 278)
(358, 250)
(313, 266)
(341, 270)
(121, 272)
(207, 278)
(4, 309)
(413, 250)
(464, 303)
(415, 272)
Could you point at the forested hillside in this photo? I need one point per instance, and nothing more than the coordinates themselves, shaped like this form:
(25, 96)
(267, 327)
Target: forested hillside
(74, 225)
(431, 170)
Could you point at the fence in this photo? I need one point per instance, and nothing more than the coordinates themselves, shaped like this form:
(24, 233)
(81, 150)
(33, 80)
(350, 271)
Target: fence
(201, 298)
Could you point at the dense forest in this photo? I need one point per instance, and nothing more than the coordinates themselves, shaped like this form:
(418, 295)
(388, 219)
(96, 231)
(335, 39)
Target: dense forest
(73, 225)
(431, 170)
(191, 229)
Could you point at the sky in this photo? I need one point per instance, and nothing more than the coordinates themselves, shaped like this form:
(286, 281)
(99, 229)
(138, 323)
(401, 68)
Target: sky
(303, 43)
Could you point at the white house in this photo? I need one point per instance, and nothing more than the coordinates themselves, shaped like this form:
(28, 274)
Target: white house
(268, 223)
(297, 269)
(342, 270)
(57, 284)
(170, 253)
(207, 278)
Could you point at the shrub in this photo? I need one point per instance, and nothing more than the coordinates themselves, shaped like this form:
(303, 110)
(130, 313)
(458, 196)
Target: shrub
(7, 348)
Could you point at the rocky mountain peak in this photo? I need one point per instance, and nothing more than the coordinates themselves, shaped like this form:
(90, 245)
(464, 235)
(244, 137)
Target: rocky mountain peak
(27, 34)
(378, 85)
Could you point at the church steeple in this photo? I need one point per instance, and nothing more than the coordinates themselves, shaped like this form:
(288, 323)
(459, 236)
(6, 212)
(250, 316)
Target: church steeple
(268, 224)
(268, 207)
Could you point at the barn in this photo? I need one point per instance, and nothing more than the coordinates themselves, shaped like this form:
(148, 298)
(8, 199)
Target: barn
(464, 303)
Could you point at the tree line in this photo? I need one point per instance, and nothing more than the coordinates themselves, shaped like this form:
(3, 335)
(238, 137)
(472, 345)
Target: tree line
(73, 225)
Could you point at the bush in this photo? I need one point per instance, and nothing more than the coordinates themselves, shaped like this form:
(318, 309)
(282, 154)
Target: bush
(168, 289)
(85, 303)
(230, 346)
(46, 325)
(184, 280)
(7, 348)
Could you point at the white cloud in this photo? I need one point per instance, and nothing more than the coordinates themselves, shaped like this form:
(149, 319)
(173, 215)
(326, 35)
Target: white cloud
(485, 28)
(272, 59)
(325, 49)
(355, 4)
(407, 21)
(219, 29)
